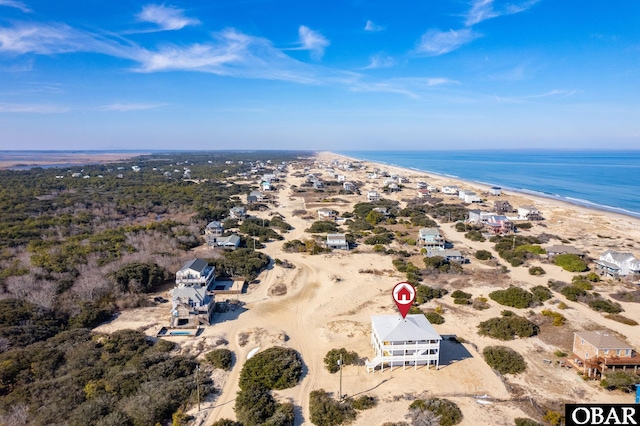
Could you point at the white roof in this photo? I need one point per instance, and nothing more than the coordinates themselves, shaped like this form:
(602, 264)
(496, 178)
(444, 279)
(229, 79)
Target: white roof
(414, 327)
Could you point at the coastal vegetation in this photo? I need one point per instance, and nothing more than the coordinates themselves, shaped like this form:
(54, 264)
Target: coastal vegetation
(332, 358)
(504, 360)
(444, 411)
(507, 327)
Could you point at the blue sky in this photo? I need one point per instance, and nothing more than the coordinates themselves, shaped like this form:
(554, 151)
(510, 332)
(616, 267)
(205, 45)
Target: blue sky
(338, 75)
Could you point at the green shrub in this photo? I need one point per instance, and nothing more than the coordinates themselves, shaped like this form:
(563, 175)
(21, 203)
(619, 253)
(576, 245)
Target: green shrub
(461, 227)
(571, 262)
(522, 421)
(448, 411)
(425, 293)
(503, 359)
(572, 292)
(459, 294)
(364, 402)
(622, 319)
(333, 356)
(558, 319)
(605, 305)
(225, 422)
(508, 327)
(536, 270)
(514, 297)
(461, 301)
(541, 293)
(560, 354)
(525, 225)
(581, 282)
(322, 227)
(474, 235)
(139, 277)
(531, 248)
(275, 368)
(254, 404)
(621, 380)
(220, 358)
(434, 317)
(326, 411)
(483, 255)
(385, 238)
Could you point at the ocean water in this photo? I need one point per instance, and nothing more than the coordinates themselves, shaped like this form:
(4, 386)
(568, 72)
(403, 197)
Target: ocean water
(606, 180)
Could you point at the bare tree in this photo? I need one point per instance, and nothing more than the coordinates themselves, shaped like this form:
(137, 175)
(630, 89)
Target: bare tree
(17, 415)
(420, 417)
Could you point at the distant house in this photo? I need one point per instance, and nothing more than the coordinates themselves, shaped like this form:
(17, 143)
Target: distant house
(555, 250)
(448, 254)
(382, 210)
(342, 178)
(195, 272)
(256, 196)
(528, 213)
(421, 185)
(191, 306)
(411, 341)
(238, 212)
(373, 196)
(471, 197)
(616, 264)
(214, 229)
(423, 193)
(348, 186)
(337, 241)
(265, 186)
(479, 217)
(430, 237)
(601, 352)
(393, 187)
(495, 190)
(450, 190)
(327, 214)
(230, 242)
(503, 207)
(499, 224)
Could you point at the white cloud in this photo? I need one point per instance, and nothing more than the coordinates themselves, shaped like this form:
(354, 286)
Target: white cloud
(555, 94)
(166, 17)
(17, 4)
(123, 107)
(33, 108)
(370, 26)
(481, 10)
(435, 42)
(380, 61)
(313, 41)
(413, 87)
(37, 38)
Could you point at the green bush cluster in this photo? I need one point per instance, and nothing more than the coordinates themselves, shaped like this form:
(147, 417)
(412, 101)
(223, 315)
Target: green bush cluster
(622, 380)
(447, 411)
(220, 358)
(558, 318)
(434, 317)
(243, 262)
(504, 360)
(514, 297)
(424, 293)
(621, 319)
(440, 264)
(333, 356)
(523, 421)
(508, 327)
(139, 277)
(322, 227)
(326, 411)
(274, 368)
(364, 402)
(536, 270)
(84, 378)
(461, 298)
(483, 255)
(541, 293)
(507, 248)
(571, 262)
(475, 235)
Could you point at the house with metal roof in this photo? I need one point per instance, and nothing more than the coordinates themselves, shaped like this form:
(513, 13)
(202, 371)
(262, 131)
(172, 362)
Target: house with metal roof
(409, 341)
(191, 306)
(555, 250)
(196, 272)
(616, 264)
(214, 229)
(430, 237)
(337, 241)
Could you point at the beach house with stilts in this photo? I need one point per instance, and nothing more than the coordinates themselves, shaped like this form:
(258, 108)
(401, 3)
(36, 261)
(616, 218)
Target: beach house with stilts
(411, 341)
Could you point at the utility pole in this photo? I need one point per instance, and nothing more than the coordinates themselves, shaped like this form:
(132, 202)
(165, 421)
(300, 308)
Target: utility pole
(198, 385)
(340, 364)
(513, 246)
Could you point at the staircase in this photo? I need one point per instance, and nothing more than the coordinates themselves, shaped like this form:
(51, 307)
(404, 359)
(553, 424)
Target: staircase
(371, 365)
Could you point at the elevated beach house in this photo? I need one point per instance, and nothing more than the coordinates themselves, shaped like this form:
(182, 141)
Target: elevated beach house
(601, 352)
(191, 307)
(617, 264)
(430, 237)
(373, 196)
(196, 272)
(529, 213)
(214, 229)
(411, 341)
(327, 214)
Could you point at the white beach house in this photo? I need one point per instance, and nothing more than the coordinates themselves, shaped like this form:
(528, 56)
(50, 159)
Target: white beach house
(411, 341)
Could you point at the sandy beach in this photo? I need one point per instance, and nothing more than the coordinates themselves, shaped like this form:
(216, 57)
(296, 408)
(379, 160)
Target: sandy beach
(326, 302)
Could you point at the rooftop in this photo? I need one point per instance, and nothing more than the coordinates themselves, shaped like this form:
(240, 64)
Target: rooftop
(394, 328)
(603, 339)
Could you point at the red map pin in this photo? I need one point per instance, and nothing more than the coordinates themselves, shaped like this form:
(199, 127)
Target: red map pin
(404, 294)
